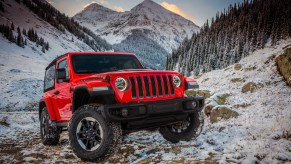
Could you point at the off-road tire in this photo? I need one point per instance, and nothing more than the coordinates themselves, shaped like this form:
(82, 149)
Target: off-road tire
(193, 130)
(49, 132)
(112, 134)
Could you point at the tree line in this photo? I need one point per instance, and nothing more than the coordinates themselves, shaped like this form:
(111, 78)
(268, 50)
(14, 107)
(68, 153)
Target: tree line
(31, 34)
(233, 34)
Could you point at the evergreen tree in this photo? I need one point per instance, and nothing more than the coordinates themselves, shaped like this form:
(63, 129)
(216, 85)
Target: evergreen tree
(24, 32)
(1, 7)
(19, 40)
(12, 26)
(47, 46)
(11, 36)
(43, 49)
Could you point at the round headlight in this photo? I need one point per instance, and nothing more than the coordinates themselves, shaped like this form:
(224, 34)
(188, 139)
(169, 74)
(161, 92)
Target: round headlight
(177, 81)
(121, 84)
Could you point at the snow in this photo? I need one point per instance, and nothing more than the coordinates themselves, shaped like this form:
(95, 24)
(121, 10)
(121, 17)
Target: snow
(258, 134)
(264, 114)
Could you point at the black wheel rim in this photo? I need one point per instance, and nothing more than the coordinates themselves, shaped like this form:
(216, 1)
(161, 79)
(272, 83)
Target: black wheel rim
(181, 126)
(89, 134)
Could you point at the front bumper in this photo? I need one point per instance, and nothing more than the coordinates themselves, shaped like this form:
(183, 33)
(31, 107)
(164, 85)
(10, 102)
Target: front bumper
(152, 114)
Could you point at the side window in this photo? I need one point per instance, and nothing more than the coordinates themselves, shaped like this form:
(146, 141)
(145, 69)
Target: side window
(49, 79)
(64, 64)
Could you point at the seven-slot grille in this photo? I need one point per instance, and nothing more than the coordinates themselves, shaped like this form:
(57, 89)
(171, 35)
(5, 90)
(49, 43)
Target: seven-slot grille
(152, 86)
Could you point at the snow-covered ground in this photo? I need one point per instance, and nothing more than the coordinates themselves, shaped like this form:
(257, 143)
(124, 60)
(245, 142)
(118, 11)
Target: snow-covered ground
(261, 132)
(22, 72)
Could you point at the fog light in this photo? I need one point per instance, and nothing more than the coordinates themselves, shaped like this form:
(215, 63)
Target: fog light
(124, 112)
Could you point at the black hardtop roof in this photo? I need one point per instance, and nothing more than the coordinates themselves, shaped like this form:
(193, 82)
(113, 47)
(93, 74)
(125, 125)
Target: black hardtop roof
(54, 61)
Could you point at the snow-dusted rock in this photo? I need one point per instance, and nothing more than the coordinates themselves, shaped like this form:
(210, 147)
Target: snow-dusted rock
(222, 112)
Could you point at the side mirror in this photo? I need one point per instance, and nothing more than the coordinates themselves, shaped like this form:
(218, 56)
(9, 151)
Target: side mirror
(62, 75)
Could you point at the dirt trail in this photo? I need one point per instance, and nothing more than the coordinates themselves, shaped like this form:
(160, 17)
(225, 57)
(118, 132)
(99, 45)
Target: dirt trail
(20, 145)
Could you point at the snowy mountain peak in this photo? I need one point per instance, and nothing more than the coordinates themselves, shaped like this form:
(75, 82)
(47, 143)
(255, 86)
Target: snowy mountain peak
(148, 4)
(95, 12)
(95, 7)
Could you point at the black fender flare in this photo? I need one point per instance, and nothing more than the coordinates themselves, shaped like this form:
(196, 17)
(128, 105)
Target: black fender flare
(87, 94)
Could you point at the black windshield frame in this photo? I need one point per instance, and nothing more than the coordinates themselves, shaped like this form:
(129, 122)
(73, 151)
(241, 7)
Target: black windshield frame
(114, 60)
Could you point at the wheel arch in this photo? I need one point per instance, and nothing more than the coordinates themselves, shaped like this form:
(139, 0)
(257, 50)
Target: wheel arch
(82, 96)
(48, 104)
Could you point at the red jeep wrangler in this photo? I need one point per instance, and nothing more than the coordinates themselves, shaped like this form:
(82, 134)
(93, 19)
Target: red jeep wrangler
(98, 97)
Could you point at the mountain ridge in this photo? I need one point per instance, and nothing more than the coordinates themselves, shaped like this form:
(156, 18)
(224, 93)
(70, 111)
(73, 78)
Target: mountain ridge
(165, 28)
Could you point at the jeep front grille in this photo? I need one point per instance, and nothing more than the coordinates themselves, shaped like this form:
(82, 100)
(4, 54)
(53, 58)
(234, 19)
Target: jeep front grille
(151, 86)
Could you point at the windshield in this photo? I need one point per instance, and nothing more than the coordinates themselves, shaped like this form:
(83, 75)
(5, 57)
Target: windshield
(104, 63)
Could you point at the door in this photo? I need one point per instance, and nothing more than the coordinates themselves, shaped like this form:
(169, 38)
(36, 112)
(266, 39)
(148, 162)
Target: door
(62, 93)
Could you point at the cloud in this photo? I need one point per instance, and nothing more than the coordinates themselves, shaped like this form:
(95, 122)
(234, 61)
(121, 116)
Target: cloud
(118, 9)
(174, 8)
(103, 2)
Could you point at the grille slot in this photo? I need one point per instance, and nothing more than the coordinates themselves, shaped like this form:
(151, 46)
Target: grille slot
(166, 85)
(153, 86)
(147, 86)
(133, 87)
(160, 85)
(140, 89)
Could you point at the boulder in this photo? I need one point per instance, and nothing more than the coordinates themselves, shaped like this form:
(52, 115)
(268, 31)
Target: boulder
(237, 66)
(237, 80)
(222, 112)
(4, 121)
(220, 99)
(208, 109)
(203, 93)
(249, 87)
(283, 63)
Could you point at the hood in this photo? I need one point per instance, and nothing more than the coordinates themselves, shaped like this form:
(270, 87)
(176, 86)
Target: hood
(108, 76)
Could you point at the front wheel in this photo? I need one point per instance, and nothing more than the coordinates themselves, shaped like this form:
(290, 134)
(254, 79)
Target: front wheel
(185, 130)
(92, 138)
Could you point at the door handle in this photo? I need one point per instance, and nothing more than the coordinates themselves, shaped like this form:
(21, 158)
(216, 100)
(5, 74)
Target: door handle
(56, 92)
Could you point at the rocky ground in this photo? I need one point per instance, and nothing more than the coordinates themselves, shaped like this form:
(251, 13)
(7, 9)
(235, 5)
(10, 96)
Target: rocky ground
(20, 142)
(247, 120)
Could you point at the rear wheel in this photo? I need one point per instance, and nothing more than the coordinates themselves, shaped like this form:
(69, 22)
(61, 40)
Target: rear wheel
(185, 130)
(49, 132)
(92, 138)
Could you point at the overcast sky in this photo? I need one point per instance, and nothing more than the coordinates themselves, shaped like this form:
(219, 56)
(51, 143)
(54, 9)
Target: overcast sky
(195, 10)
